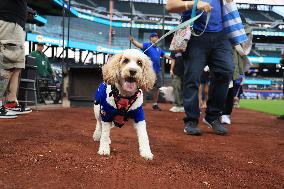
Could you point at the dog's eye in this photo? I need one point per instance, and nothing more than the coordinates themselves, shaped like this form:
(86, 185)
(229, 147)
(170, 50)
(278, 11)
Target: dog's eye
(139, 63)
(126, 60)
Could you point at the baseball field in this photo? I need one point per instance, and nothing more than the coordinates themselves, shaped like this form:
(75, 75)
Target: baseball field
(54, 148)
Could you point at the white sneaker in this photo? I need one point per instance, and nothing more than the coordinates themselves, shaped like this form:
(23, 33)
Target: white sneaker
(174, 109)
(226, 119)
(4, 114)
(181, 109)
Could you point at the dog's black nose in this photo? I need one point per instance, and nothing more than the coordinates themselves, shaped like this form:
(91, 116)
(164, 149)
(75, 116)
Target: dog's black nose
(132, 72)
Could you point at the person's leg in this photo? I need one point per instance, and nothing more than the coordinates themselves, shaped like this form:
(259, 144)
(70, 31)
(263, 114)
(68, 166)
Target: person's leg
(195, 59)
(221, 67)
(175, 92)
(4, 81)
(200, 89)
(236, 92)
(13, 85)
(155, 95)
(229, 104)
(206, 93)
(179, 92)
(5, 76)
(156, 91)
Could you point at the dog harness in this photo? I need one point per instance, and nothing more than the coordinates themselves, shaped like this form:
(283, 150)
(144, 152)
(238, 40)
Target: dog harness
(121, 113)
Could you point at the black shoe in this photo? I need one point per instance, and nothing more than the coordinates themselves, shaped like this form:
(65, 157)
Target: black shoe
(190, 128)
(156, 107)
(217, 126)
(281, 117)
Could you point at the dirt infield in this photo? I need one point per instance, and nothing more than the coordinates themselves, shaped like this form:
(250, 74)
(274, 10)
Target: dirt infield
(54, 149)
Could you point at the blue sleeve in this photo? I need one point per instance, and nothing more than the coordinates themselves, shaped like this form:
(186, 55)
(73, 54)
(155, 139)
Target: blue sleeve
(145, 46)
(162, 52)
(139, 115)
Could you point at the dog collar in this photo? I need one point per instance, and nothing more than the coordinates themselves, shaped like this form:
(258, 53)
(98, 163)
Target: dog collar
(122, 104)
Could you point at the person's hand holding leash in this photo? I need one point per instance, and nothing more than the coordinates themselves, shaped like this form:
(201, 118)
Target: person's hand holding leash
(204, 6)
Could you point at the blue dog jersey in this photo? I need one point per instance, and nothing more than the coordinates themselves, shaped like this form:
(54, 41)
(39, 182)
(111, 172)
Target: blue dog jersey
(120, 114)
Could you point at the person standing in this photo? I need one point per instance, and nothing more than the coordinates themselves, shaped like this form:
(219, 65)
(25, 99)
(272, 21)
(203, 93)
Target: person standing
(176, 73)
(44, 69)
(212, 48)
(154, 53)
(242, 64)
(13, 15)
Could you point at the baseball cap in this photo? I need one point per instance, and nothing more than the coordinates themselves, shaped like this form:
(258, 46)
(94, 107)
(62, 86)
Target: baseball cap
(40, 43)
(154, 34)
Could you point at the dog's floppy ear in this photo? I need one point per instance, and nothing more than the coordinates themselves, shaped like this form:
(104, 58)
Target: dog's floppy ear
(148, 75)
(111, 69)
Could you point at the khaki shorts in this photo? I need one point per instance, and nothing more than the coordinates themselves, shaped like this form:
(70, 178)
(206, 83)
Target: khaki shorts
(12, 50)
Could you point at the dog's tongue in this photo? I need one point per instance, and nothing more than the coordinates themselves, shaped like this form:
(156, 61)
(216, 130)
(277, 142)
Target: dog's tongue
(130, 86)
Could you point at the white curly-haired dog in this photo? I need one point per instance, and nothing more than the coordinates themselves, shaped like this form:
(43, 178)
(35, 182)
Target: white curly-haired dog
(120, 97)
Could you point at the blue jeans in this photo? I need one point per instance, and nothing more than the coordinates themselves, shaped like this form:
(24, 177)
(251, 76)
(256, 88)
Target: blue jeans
(214, 50)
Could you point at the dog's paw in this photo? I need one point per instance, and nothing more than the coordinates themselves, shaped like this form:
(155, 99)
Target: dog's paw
(104, 152)
(147, 155)
(96, 137)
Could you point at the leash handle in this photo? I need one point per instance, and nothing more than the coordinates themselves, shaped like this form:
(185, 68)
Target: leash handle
(182, 25)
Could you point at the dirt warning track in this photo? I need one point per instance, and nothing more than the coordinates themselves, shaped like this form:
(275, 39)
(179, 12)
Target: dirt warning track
(54, 149)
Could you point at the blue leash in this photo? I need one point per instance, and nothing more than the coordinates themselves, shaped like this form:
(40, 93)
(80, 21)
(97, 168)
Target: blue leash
(184, 24)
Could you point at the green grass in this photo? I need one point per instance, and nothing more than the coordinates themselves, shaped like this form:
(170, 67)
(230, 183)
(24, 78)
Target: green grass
(274, 107)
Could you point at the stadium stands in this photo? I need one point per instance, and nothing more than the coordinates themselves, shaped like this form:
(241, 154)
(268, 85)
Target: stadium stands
(269, 53)
(260, 16)
(156, 10)
(125, 7)
(122, 10)
(86, 31)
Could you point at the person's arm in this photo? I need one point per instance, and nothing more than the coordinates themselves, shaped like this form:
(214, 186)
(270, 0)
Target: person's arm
(247, 45)
(134, 42)
(168, 57)
(172, 62)
(240, 50)
(172, 68)
(180, 6)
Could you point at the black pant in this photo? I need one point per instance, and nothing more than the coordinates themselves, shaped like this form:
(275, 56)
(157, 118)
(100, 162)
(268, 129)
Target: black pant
(214, 50)
(229, 104)
(235, 91)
